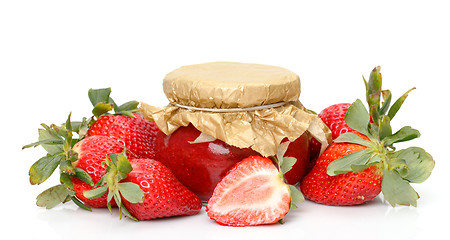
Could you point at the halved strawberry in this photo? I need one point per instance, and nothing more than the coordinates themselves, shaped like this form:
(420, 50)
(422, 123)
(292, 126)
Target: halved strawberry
(252, 193)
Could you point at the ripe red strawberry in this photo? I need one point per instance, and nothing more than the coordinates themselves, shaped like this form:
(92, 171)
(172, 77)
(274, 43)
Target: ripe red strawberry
(333, 117)
(344, 189)
(136, 133)
(252, 193)
(92, 151)
(358, 166)
(145, 189)
(164, 195)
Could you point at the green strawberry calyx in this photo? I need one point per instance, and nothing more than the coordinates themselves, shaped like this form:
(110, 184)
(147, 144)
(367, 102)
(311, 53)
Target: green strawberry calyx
(399, 168)
(118, 167)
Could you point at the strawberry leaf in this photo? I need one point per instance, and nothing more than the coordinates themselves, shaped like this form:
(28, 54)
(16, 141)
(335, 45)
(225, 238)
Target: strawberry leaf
(287, 164)
(53, 196)
(418, 163)
(123, 165)
(385, 129)
(350, 137)
(101, 108)
(396, 106)
(83, 176)
(131, 106)
(387, 97)
(42, 169)
(125, 211)
(296, 196)
(357, 117)
(404, 134)
(345, 163)
(96, 192)
(131, 192)
(397, 190)
(99, 95)
(80, 204)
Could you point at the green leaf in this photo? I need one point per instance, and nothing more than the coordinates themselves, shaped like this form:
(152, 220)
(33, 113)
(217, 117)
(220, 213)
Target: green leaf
(344, 164)
(99, 95)
(48, 133)
(397, 191)
(80, 204)
(52, 197)
(101, 108)
(357, 117)
(96, 192)
(123, 165)
(374, 159)
(396, 106)
(296, 195)
(373, 93)
(65, 179)
(128, 106)
(131, 192)
(419, 163)
(42, 169)
(350, 137)
(51, 141)
(83, 176)
(66, 166)
(385, 129)
(404, 134)
(387, 97)
(125, 211)
(288, 162)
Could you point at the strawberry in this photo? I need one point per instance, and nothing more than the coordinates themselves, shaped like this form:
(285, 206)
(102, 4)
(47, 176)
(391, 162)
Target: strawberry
(343, 189)
(333, 117)
(92, 151)
(252, 193)
(358, 166)
(145, 189)
(135, 132)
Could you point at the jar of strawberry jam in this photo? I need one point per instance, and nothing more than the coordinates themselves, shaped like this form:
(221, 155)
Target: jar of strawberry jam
(223, 112)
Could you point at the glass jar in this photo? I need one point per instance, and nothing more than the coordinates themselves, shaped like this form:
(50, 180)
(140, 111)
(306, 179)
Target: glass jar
(223, 112)
(200, 166)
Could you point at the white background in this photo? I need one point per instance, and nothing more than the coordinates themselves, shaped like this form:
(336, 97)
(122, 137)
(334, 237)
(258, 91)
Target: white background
(52, 52)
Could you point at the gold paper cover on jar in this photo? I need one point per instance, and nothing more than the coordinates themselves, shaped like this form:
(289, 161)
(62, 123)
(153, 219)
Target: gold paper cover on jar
(245, 105)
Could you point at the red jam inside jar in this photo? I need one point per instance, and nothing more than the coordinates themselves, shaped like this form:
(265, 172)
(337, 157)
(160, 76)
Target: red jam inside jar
(200, 166)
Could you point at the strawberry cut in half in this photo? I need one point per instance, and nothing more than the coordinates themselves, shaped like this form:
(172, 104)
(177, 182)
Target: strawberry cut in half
(252, 193)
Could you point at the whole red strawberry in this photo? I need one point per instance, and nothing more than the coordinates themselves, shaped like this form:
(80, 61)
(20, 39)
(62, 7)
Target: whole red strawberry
(333, 116)
(145, 189)
(164, 195)
(136, 133)
(343, 189)
(92, 151)
(358, 166)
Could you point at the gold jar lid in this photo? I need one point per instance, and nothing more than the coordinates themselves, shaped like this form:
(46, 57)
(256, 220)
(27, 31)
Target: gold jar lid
(231, 85)
(245, 105)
